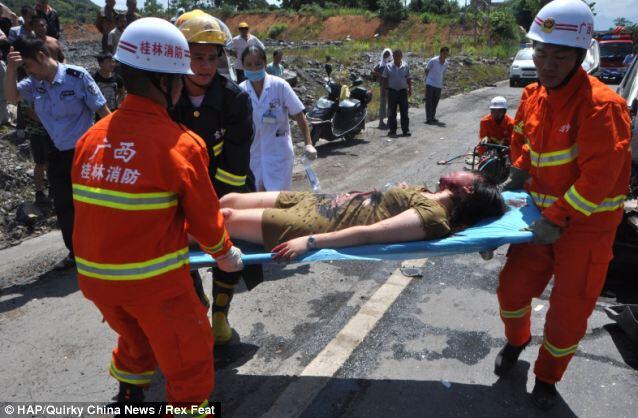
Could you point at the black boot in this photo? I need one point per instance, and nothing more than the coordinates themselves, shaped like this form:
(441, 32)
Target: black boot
(544, 395)
(130, 393)
(507, 358)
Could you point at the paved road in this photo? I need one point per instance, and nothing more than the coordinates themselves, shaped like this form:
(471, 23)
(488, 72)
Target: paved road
(341, 339)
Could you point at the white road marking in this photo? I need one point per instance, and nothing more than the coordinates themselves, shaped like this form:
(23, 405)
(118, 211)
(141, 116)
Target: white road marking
(299, 394)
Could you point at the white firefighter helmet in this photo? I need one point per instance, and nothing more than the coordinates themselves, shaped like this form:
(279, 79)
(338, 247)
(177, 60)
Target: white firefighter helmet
(564, 22)
(153, 44)
(499, 102)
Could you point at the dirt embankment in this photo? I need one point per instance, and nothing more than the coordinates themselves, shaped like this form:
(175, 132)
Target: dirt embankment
(336, 28)
(329, 29)
(309, 27)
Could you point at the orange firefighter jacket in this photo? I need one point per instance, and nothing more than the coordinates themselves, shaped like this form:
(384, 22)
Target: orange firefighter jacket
(496, 133)
(139, 181)
(578, 152)
(518, 143)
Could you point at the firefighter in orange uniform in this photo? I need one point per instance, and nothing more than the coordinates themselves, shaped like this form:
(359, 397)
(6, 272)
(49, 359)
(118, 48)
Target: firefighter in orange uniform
(576, 167)
(140, 181)
(518, 143)
(496, 128)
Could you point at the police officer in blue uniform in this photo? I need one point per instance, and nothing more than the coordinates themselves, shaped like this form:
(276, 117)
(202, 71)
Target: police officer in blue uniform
(65, 98)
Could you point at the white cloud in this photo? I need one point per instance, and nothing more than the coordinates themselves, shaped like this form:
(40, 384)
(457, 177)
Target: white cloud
(608, 10)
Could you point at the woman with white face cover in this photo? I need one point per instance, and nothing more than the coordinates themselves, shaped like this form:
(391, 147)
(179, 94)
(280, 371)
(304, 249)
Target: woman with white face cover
(377, 72)
(271, 153)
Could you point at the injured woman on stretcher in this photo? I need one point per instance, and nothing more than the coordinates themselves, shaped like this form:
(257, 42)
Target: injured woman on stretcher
(291, 223)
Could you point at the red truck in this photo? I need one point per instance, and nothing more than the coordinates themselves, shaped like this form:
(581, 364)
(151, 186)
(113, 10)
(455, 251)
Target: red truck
(614, 48)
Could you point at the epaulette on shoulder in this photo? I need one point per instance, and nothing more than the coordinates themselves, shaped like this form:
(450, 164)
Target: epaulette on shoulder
(74, 73)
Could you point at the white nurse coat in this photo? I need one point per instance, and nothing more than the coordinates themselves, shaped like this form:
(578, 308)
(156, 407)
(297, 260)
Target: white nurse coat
(271, 153)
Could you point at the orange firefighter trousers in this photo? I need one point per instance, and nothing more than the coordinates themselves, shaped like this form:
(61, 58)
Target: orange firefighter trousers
(173, 333)
(578, 261)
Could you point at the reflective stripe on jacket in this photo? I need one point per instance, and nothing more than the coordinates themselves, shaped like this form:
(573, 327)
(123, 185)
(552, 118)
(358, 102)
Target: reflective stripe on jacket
(577, 151)
(139, 182)
(518, 143)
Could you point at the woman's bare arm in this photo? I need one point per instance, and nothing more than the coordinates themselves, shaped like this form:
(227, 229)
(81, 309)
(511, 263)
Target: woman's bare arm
(406, 226)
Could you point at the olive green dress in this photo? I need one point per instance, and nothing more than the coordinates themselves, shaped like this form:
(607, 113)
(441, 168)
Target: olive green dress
(297, 214)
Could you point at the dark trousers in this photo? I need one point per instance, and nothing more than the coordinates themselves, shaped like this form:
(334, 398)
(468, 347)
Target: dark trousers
(432, 96)
(60, 163)
(398, 98)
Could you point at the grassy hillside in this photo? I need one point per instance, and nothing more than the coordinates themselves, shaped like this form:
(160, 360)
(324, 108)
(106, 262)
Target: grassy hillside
(70, 11)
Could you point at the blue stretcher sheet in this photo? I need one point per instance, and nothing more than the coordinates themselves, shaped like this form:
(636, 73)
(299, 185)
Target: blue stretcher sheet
(483, 236)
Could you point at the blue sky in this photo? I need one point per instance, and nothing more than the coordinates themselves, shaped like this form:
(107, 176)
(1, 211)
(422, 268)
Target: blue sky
(607, 10)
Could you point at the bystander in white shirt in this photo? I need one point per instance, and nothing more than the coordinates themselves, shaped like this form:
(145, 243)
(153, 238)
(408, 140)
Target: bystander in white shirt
(239, 44)
(436, 71)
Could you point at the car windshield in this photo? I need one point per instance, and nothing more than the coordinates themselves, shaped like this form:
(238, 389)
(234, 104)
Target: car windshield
(617, 51)
(524, 55)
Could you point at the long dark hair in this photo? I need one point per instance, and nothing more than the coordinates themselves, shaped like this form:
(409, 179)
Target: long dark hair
(485, 202)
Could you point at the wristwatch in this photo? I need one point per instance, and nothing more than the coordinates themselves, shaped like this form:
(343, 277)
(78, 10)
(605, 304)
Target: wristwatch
(312, 243)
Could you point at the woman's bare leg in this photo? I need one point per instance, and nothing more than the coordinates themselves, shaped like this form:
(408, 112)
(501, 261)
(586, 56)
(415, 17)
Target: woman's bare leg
(255, 200)
(244, 224)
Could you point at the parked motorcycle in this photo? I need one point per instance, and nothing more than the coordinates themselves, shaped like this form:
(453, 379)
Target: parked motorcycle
(342, 113)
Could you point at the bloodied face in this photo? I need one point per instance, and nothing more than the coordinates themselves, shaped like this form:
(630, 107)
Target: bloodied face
(456, 181)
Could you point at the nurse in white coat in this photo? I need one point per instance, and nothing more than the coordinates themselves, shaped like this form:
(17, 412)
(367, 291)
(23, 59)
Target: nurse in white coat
(271, 153)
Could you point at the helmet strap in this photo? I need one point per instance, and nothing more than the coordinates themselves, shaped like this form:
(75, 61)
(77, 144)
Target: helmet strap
(154, 78)
(581, 54)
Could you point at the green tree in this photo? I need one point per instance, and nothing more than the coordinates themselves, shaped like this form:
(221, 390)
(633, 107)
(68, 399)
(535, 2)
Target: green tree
(525, 10)
(392, 10)
(296, 4)
(372, 5)
(416, 5)
(152, 8)
(245, 4)
(622, 21)
(502, 24)
(189, 4)
(440, 7)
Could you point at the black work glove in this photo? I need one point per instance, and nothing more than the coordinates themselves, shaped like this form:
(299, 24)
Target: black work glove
(515, 181)
(545, 232)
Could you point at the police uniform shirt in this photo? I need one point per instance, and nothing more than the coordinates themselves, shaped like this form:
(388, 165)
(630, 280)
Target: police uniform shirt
(397, 76)
(65, 106)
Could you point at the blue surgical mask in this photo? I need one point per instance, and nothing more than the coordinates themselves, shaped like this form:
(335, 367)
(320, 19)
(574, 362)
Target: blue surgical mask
(255, 75)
